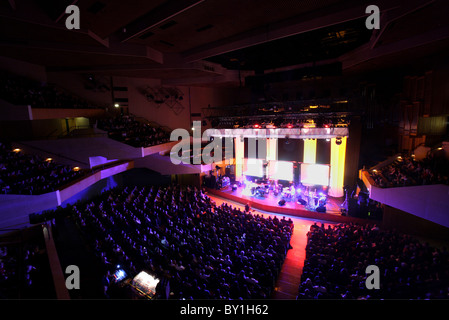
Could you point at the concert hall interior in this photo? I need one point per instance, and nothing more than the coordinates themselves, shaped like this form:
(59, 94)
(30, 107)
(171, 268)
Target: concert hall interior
(177, 150)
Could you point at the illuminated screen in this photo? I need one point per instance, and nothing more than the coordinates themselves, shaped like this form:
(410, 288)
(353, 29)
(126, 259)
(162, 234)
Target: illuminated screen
(119, 275)
(145, 284)
(253, 167)
(315, 174)
(281, 170)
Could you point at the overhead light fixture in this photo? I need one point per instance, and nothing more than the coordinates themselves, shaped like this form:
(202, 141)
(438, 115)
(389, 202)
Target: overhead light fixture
(48, 159)
(76, 169)
(17, 150)
(338, 141)
(116, 105)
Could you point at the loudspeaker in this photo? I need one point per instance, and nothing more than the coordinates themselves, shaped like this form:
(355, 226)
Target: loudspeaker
(321, 209)
(302, 201)
(281, 202)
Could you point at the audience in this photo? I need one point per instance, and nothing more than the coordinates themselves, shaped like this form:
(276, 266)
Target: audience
(406, 171)
(22, 91)
(24, 270)
(177, 233)
(337, 257)
(130, 131)
(22, 173)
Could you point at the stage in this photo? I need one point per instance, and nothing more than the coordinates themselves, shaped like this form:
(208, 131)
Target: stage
(269, 203)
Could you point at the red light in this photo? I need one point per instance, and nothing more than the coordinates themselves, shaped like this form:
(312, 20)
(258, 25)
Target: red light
(289, 126)
(326, 126)
(256, 126)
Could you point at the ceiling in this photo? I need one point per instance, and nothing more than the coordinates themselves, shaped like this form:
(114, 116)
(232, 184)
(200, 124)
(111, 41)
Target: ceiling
(219, 42)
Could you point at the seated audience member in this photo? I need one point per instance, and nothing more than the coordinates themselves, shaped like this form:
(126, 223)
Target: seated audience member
(24, 270)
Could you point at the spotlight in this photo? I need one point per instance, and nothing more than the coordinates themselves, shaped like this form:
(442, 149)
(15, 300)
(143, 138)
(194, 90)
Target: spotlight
(256, 126)
(76, 169)
(48, 159)
(116, 105)
(17, 150)
(338, 141)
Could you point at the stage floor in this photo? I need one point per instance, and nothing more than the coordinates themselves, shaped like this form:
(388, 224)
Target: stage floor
(270, 204)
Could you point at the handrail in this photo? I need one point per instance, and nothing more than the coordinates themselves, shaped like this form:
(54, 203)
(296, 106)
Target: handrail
(95, 170)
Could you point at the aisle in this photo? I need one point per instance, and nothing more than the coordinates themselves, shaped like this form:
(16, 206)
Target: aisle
(289, 278)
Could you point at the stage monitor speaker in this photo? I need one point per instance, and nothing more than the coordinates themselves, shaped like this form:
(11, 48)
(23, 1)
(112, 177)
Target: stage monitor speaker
(281, 202)
(321, 209)
(302, 201)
